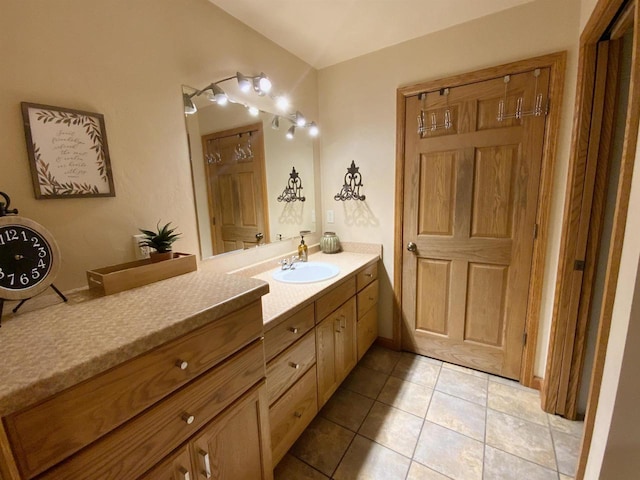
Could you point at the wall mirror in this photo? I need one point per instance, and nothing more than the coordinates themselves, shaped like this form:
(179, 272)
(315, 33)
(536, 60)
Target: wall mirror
(241, 165)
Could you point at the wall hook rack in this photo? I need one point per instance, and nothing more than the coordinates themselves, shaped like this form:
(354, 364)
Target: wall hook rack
(352, 183)
(422, 123)
(291, 192)
(520, 113)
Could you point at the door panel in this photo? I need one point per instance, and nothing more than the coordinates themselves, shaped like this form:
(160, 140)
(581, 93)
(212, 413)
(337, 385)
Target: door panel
(470, 206)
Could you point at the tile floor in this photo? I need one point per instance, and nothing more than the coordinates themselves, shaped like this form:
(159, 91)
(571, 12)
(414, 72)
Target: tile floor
(403, 416)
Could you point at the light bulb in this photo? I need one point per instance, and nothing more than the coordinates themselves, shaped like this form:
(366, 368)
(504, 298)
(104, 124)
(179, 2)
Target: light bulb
(264, 84)
(222, 99)
(291, 132)
(254, 111)
(313, 129)
(300, 120)
(282, 103)
(243, 82)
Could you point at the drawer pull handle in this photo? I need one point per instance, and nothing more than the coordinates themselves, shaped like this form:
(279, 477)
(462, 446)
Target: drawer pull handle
(207, 464)
(297, 414)
(188, 419)
(294, 365)
(368, 275)
(293, 329)
(185, 473)
(182, 364)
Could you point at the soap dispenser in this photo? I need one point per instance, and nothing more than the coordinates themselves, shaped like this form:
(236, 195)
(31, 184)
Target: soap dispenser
(302, 248)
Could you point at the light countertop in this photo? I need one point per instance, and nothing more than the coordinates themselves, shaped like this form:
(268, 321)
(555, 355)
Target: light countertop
(45, 351)
(284, 299)
(48, 350)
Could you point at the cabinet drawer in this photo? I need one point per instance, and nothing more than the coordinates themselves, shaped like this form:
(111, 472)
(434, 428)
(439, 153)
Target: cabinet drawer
(367, 331)
(336, 297)
(290, 415)
(287, 332)
(148, 438)
(366, 276)
(47, 433)
(284, 370)
(367, 298)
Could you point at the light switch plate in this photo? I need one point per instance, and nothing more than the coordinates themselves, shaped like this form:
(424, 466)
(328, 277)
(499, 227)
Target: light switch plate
(330, 218)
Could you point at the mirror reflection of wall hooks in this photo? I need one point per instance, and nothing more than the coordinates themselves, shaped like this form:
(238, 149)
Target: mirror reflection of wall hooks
(215, 156)
(291, 192)
(243, 153)
(446, 124)
(352, 183)
(520, 113)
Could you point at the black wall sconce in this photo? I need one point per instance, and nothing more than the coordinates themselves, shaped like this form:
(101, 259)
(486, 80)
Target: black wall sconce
(352, 183)
(291, 192)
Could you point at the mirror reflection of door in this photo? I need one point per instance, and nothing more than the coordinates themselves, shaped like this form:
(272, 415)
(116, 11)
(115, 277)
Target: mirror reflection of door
(236, 187)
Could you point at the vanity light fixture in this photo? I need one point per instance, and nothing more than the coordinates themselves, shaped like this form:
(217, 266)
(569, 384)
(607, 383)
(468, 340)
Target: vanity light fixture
(352, 183)
(291, 192)
(262, 85)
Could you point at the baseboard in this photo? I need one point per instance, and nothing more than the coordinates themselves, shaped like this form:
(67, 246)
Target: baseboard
(537, 383)
(386, 343)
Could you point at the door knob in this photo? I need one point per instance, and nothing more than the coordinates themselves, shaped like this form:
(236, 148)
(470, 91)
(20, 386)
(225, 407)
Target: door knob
(259, 236)
(412, 247)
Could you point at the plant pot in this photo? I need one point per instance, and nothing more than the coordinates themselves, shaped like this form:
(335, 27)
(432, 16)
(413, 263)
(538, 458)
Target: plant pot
(160, 256)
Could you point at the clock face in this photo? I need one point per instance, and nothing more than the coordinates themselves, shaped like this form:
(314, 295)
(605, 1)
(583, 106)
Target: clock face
(25, 257)
(29, 258)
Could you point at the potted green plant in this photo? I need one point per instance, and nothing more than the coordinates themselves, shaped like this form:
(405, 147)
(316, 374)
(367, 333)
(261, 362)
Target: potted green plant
(160, 241)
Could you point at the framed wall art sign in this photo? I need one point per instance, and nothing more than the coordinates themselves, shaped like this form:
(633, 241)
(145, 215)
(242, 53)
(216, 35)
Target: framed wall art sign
(68, 152)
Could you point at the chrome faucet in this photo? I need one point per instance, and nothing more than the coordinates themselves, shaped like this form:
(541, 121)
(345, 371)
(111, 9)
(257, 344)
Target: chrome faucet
(289, 263)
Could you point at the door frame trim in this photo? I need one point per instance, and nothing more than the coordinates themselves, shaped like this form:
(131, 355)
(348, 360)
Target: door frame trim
(556, 63)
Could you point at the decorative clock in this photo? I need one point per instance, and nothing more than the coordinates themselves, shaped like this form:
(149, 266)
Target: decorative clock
(29, 257)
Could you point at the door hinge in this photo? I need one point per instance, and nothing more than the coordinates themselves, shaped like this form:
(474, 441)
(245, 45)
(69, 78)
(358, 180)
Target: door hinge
(578, 265)
(535, 231)
(524, 338)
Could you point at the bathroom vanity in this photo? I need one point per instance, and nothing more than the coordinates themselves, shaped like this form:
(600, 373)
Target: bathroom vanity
(204, 375)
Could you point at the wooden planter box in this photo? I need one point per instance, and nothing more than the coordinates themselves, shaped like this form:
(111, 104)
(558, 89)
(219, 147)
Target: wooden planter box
(117, 278)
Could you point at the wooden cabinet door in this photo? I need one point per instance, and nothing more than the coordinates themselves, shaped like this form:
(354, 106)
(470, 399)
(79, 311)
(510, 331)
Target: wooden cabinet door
(236, 445)
(346, 343)
(326, 332)
(336, 349)
(174, 467)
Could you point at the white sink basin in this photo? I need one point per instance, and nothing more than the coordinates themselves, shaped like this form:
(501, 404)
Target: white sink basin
(307, 272)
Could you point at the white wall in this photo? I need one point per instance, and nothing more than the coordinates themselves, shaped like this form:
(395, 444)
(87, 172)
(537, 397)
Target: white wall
(127, 60)
(358, 115)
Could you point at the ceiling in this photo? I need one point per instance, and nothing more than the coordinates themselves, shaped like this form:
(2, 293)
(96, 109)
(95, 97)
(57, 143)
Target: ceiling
(326, 32)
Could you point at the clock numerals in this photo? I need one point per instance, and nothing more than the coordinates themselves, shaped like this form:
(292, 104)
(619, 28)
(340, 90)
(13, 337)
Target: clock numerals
(26, 257)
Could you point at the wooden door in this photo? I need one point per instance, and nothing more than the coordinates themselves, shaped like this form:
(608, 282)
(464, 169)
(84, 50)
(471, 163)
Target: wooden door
(236, 445)
(470, 201)
(236, 187)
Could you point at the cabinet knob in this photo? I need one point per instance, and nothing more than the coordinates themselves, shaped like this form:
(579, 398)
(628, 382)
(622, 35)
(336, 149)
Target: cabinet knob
(297, 414)
(181, 364)
(188, 419)
(371, 299)
(294, 365)
(293, 329)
